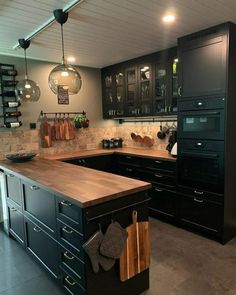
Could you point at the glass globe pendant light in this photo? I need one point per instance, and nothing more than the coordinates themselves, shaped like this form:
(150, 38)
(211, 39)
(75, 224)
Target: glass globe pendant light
(64, 75)
(27, 90)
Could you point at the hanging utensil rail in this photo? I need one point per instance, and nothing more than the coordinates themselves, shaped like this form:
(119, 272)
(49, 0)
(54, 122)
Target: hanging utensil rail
(42, 113)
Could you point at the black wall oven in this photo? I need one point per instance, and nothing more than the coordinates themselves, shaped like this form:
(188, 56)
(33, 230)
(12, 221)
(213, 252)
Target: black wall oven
(204, 124)
(201, 165)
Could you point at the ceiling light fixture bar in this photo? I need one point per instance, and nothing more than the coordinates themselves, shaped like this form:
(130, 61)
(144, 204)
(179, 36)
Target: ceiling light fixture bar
(50, 21)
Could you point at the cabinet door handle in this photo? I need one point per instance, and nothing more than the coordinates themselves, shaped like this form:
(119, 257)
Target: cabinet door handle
(179, 91)
(128, 157)
(158, 190)
(158, 162)
(65, 203)
(34, 187)
(199, 144)
(68, 231)
(13, 209)
(129, 170)
(11, 175)
(37, 229)
(197, 200)
(68, 256)
(158, 175)
(67, 279)
(198, 192)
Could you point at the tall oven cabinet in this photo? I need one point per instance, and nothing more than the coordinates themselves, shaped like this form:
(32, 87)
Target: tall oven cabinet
(206, 139)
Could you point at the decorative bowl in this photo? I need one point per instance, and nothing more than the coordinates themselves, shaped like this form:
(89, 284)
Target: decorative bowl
(20, 157)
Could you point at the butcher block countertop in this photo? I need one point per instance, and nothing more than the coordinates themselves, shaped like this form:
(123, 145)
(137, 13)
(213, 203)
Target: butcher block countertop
(154, 154)
(86, 186)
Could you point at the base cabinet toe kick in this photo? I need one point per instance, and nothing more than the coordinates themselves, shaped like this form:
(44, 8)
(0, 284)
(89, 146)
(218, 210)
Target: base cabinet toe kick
(53, 229)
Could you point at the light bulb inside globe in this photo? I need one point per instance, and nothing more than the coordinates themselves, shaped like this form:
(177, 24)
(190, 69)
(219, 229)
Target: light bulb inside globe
(65, 76)
(27, 90)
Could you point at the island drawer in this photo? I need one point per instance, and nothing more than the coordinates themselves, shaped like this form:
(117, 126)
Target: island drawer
(70, 238)
(42, 246)
(69, 213)
(72, 264)
(70, 284)
(13, 186)
(39, 204)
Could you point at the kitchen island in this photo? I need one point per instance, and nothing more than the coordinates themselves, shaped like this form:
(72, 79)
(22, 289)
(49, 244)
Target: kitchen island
(54, 207)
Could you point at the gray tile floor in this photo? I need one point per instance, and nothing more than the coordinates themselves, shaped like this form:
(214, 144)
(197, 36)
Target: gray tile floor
(183, 263)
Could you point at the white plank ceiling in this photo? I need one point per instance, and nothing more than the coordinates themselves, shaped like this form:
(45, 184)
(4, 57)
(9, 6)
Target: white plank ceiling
(103, 32)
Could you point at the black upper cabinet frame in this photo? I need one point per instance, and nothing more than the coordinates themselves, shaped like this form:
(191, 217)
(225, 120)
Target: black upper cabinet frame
(139, 92)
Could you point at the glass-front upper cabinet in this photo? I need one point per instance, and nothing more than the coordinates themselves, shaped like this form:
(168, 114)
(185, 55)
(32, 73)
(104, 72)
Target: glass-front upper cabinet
(119, 87)
(131, 105)
(145, 90)
(108, 89)
(160, 88)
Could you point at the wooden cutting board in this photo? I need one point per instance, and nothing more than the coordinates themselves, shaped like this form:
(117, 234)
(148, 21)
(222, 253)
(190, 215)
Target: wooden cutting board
(135, 257)
(45, 133)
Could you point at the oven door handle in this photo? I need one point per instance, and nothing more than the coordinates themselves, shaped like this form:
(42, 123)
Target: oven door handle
(202, 155)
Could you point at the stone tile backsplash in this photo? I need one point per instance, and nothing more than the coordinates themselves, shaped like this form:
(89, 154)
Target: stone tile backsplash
(85, 138)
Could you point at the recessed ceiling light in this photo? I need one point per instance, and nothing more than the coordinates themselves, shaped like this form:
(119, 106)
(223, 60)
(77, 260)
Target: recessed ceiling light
(70, 59)
(169, 18)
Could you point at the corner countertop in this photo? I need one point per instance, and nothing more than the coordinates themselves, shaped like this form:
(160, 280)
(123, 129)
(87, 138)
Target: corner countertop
(154, 154)
(87, 187)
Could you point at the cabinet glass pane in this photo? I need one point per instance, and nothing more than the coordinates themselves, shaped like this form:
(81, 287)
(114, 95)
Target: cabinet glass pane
(131, 76)
(146, 109)
(108, 95)
(119, 94)
(159, 106)
(145, 73)
(160, 82)
(108, 81)
(131, 92)
(175, 77)
(145, 90)
(119, 79)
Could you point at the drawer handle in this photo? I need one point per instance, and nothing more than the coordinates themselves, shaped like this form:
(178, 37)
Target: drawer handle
(158, 190)
(158, 175)
(37, 229)
(129, 170)
(198, 192)
(67, 279)
(66, 254)
(197, 200)
(13, 209)
(34, 187)
(65, 203)
(67, 231)
(199, 104)
(199, 144)
(128, 157)
(158, 162)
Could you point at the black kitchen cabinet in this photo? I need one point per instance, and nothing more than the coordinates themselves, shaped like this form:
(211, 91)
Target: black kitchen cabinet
(149, 85)
(16, 223)
(203, 62)
(13, 186)
(42, 247)
(113, 85)
(206, 140)
(102, 163)
(39, 205)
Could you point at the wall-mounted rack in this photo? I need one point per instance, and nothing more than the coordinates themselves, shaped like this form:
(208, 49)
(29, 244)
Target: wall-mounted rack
(147, 119)
(42, 113)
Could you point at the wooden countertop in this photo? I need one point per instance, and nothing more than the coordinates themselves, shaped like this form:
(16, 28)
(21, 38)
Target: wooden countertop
(163, 155)
(85, 186)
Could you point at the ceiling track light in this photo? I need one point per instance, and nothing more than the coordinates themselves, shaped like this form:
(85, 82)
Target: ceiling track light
(27, 90)
(64, 76)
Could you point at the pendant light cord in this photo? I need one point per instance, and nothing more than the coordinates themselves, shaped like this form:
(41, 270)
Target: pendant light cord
(62, 45)
(26, 66)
